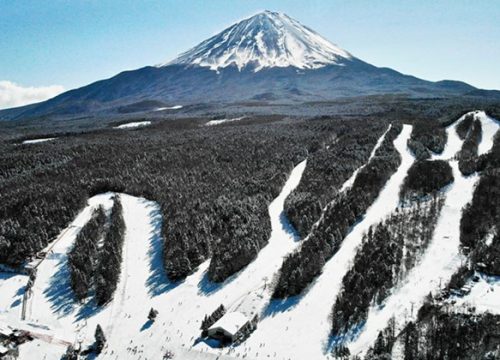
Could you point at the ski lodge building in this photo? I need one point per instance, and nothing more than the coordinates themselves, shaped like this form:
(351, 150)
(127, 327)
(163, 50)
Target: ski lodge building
(226, 328)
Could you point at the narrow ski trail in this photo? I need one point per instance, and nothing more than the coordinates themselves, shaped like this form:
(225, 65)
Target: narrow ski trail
(441, 259)
(302, 330)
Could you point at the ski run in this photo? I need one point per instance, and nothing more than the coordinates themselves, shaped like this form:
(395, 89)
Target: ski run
(294, 329)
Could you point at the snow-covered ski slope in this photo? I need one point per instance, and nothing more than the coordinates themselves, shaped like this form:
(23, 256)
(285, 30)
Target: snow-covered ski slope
(442, 258)
(298, 328)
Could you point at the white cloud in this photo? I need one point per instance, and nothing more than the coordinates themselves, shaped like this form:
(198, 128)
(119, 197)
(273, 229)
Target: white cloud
(12, 94)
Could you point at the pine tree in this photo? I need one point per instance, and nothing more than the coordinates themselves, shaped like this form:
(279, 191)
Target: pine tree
(152, 315)
(100, 339)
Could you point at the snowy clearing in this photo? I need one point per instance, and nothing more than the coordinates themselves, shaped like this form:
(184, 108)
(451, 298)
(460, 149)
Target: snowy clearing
(222, 121)
(132, 125)
(36, 141)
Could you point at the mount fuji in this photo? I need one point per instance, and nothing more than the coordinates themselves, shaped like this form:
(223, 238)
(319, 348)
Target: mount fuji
(268, 57)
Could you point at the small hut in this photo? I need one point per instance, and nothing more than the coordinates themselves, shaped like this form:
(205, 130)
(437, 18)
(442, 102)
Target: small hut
(226, 328)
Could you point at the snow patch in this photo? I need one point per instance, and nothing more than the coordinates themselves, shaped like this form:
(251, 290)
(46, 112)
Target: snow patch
(175, 107)
(132, 125)
(36, 141)
(222, 121)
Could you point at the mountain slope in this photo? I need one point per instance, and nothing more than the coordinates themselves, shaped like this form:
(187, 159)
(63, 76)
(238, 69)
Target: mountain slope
(267, 57)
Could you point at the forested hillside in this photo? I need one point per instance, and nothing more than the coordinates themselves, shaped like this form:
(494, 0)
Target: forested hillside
(371, 235)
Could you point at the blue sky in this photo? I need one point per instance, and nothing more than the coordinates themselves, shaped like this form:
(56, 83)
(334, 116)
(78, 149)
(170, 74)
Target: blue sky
(75, 42)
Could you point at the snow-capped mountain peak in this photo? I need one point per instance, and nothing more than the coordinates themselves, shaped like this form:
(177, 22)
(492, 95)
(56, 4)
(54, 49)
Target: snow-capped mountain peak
(267, 39)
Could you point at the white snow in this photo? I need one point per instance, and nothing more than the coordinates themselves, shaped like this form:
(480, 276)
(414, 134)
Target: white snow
(175, 107)
(440, 261)
(36, 141)
(267, 39)
(222, 121)
(11, 295)
(134, 124)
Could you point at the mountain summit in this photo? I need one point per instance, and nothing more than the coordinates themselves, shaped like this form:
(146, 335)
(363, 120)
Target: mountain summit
(267, 39)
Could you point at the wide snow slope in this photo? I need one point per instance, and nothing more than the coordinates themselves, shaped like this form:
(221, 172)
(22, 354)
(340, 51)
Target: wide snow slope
(183, 306)
(440, 261)
(299, 328)
(268, 39)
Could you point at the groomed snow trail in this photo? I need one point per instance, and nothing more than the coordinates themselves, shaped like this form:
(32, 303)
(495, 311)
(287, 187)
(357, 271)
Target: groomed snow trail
(302, 331)
(441, 259)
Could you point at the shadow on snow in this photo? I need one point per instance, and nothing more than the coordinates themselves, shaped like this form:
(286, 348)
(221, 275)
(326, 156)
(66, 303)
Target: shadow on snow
(59, 292)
